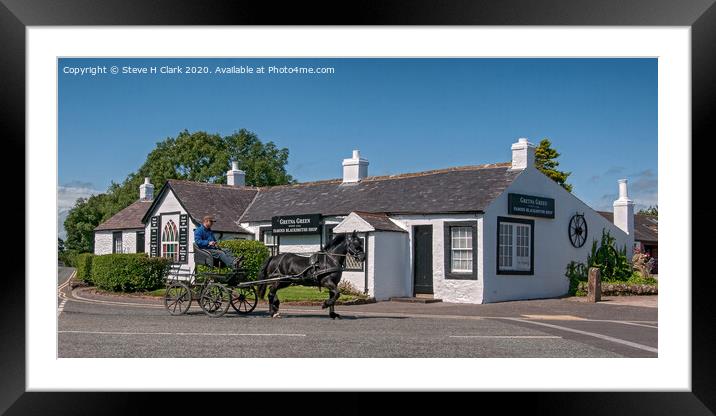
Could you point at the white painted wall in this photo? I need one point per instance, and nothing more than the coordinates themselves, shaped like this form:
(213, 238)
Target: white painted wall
(552, 249)
(129, 241)
(103, 242)
(449, 290)
(169, 203)
(388, 266)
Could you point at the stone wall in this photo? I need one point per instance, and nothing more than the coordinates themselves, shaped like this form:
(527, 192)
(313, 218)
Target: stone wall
(623, 289)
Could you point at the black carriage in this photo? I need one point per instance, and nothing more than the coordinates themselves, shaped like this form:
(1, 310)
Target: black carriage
(214, 291)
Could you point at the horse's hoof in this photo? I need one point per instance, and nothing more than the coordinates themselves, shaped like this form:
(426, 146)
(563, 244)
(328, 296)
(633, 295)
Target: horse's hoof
(335, 316)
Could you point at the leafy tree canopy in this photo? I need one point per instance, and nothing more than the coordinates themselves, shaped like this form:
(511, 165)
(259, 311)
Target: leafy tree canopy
(653, 211)
(546, 162)
(197, 156)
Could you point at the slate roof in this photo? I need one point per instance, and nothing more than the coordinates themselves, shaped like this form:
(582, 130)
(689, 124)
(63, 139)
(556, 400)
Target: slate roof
(380, 221)
(646, 227)
(128, 218)
(452, 190)
(224, 202)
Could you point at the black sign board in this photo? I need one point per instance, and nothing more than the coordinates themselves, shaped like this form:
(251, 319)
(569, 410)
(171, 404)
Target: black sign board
(530, 205)
(296, 224)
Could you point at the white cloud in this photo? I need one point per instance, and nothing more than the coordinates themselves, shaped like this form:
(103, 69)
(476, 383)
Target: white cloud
(67, 196)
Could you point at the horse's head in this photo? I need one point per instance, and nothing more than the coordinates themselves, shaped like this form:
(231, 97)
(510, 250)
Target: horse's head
(355, 247)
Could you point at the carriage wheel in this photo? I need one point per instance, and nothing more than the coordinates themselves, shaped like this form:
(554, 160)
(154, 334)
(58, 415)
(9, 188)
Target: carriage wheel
(215, 300)
(177, 298)
(244, 299)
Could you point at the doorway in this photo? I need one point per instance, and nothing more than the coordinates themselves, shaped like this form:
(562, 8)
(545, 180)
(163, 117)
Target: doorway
(423, 259)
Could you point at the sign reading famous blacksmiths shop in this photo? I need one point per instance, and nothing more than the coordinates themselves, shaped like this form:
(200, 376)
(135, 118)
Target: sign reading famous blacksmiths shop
(530, 205)
(296, 224)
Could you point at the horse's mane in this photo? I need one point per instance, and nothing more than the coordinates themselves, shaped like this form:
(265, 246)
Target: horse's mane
(338, 239)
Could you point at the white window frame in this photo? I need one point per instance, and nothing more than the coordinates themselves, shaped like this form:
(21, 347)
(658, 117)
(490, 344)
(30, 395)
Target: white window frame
(515, 246)
(174, 255)
(461, 241)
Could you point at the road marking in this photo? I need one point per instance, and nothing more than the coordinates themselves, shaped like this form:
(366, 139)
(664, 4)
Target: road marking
(591, 334)
(61, 308)
(508, 336)
(554, 317)
(181, 333)
(61, 294)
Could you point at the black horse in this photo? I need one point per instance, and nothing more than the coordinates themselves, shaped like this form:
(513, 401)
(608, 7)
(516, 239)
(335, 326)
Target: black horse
(322, 269)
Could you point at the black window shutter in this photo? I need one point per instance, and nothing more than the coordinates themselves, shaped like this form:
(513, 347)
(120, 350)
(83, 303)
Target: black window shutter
(154, 237)
(183, 237)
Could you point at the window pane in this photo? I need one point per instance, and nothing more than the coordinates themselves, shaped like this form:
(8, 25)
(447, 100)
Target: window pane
(461, 249)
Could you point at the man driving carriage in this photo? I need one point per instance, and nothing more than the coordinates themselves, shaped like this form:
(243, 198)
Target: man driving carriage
(205, 240)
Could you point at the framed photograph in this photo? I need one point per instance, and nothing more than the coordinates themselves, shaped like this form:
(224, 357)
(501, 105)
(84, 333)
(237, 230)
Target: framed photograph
(420, 196)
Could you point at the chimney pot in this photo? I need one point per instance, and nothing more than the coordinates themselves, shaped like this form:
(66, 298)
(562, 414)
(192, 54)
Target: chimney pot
(523, 154)
(624, 215)
(235, 176)
(146, 190)
(355, 169)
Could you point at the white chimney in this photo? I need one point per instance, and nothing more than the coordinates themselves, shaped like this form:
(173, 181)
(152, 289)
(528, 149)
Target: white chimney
(235, 177)
(146, 190)
(624, 214)
(355, 169)
(523, 154)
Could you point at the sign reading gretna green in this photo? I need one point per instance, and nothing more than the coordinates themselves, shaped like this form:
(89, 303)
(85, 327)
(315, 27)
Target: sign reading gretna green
(296, 224)
(533, 206)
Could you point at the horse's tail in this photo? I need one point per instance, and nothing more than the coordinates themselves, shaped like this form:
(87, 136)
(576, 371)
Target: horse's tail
(263, 274)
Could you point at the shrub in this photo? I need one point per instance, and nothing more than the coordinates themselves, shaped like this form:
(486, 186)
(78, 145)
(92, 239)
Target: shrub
(347, 288)
(576, 273)
(84, 267)
(254, 254)
(642, 263)
(611, 261)
(129, 272)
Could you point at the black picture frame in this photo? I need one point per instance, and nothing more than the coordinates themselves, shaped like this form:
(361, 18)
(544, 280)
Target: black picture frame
(699, 15)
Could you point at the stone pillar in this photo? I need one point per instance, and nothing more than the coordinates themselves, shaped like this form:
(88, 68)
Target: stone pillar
(594, 290)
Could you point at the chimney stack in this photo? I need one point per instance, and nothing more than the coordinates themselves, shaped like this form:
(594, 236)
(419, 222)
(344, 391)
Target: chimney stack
(624, 214)
(146, 190)
(355, 169)
(235, 176)
(523, 154)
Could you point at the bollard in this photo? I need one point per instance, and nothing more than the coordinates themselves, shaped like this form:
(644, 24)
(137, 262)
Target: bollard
(594, 290)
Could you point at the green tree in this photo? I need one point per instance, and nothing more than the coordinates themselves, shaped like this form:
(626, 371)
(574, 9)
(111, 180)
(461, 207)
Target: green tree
(197, 156)
(546, 162)
(652, 211)
(81, 221)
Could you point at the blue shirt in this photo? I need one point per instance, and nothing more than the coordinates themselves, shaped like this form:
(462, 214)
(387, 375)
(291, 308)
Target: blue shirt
(202, 236)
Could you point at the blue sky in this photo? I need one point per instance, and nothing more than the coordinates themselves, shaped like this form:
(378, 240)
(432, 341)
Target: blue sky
(405, 115)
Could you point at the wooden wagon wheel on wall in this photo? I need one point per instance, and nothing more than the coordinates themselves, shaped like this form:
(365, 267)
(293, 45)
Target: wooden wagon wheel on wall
(578, 230)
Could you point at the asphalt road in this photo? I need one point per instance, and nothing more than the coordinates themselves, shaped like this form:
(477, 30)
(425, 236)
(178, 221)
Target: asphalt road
(91, 325)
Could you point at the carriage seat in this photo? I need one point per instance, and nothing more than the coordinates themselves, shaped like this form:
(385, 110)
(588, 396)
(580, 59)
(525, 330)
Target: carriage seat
(203, 256)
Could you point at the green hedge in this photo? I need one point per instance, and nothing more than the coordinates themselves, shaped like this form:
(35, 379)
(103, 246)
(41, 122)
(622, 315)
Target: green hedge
(84, 267)
(254, 252)
(128, 272)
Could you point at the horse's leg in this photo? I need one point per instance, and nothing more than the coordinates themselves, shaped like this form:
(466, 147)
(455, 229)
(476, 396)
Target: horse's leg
(273, 301)
(330, 303)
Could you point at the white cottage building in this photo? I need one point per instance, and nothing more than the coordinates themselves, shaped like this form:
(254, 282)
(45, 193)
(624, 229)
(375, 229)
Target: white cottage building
(472, 234)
